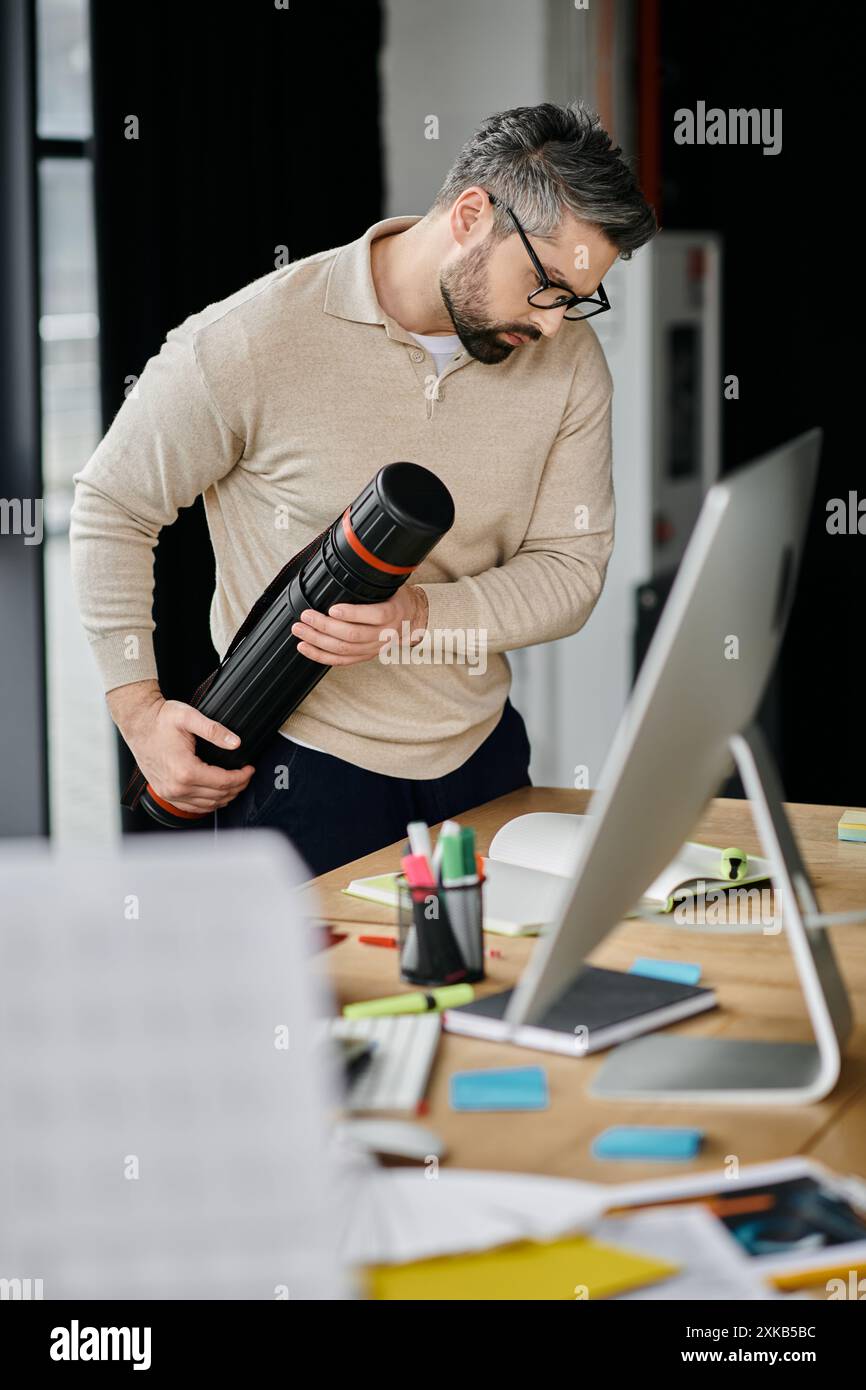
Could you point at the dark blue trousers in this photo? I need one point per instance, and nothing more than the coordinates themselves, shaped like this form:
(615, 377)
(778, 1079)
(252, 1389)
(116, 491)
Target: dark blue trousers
(334, 812)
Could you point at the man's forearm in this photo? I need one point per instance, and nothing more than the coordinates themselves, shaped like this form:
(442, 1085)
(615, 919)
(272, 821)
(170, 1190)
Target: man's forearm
(535, 596)
(128, 705)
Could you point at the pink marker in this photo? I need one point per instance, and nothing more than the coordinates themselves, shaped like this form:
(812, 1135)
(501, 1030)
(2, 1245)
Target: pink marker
(418, 872)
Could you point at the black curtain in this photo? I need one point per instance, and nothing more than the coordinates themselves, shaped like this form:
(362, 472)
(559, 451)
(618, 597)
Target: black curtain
(791, 312)
(258, 128)
(23, 755)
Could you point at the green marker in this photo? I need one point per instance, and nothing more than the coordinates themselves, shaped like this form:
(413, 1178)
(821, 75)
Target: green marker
(467, 839)
(453, 860)
(454, 874)
(447, 997)
(735, 863)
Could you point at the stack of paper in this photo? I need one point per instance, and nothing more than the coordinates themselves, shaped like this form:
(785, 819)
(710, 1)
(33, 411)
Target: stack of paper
(477, 1235)
(401, 1215)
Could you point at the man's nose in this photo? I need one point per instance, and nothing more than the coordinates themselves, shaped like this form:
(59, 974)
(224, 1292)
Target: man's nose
(548, 321)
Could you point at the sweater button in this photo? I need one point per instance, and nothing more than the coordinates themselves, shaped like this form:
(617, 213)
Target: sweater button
(417, 355)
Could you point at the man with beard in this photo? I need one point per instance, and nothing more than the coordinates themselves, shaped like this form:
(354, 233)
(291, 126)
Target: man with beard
(455, 340)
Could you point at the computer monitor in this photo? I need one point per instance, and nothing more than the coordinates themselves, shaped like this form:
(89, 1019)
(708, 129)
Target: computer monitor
(688, 722)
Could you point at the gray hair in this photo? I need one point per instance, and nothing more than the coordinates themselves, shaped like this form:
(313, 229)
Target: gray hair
(543, 161)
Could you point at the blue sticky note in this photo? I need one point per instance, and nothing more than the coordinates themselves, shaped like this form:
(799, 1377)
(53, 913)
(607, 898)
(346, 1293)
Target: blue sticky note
(647, 1141)
(501, 1088)
(679, 972)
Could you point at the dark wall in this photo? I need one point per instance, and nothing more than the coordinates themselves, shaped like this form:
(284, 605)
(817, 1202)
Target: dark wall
(792, 306)
(258, 128)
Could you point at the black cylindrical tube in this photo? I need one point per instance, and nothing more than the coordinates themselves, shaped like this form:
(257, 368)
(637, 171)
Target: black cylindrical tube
(364, 557)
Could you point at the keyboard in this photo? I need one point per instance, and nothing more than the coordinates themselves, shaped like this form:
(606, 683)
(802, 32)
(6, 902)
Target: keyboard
(395, 1076)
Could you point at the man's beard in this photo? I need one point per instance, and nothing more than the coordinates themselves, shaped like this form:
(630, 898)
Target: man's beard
(464, 291)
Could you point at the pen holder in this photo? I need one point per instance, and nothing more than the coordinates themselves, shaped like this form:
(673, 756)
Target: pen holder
(440, 933)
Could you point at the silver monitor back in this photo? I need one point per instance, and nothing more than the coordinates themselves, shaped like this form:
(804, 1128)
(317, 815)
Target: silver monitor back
(701, 684)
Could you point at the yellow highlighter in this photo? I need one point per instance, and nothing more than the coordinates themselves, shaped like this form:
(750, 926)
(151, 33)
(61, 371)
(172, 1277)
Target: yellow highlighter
(735, 864)
(446, 997)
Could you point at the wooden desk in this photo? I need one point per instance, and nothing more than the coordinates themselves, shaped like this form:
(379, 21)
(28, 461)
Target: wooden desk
(752, 974)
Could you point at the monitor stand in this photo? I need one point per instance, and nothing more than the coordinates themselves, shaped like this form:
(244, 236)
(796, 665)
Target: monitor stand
(733, 1071)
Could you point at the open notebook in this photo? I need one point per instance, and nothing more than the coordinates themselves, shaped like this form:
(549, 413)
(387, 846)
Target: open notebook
(530, 870)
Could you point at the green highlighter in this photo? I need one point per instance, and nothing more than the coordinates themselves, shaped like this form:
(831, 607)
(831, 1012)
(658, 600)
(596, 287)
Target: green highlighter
(447, 997)
(459, 872)
(453, 862)
(735, 864)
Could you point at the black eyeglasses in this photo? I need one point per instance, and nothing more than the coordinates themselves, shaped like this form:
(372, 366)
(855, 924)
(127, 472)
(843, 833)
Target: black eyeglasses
(552, 296)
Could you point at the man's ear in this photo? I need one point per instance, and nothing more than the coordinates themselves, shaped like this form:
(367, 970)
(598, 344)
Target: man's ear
(470, 215)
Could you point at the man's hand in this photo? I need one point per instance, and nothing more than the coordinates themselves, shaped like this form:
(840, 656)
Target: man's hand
(161, 734)
(352, 632)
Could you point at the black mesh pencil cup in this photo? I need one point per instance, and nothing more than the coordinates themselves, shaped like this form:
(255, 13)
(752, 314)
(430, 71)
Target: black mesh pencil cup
(440, 933)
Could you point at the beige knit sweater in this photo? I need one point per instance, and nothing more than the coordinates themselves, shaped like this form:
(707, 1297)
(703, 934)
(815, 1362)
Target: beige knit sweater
(279, 404)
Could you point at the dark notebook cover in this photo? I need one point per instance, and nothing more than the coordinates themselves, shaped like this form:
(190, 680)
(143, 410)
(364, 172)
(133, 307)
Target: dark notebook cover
(598, 999)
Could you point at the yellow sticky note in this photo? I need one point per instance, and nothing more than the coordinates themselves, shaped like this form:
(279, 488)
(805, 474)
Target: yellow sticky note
(852, 825)
(563, 1269)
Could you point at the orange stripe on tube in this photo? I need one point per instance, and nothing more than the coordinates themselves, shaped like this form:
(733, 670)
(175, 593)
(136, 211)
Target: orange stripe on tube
(173, 810)
(367, 555)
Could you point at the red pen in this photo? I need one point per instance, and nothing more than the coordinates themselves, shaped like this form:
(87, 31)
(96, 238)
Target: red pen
(378, 940)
